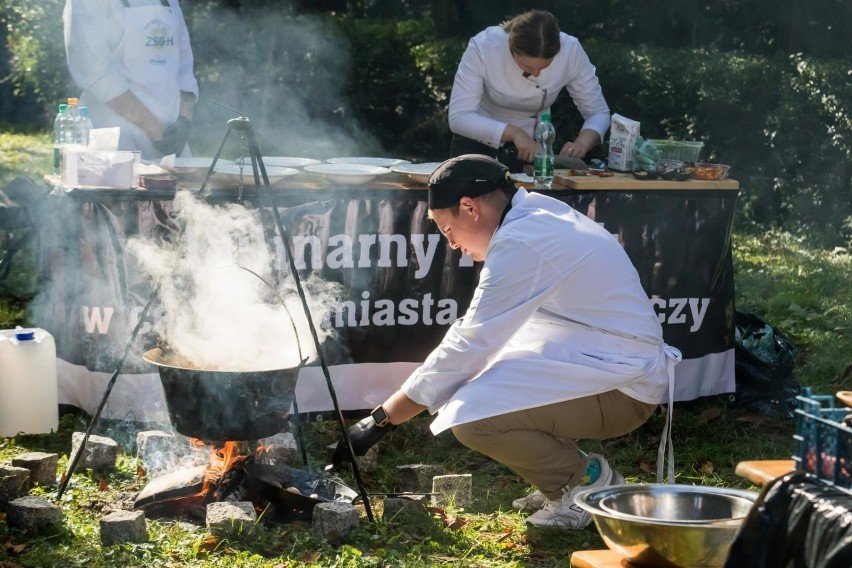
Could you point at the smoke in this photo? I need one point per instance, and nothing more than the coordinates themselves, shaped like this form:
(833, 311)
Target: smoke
(216, 285)
(286, 73)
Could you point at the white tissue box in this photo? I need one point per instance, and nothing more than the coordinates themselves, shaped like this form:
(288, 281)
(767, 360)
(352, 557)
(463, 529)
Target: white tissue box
(91, 168)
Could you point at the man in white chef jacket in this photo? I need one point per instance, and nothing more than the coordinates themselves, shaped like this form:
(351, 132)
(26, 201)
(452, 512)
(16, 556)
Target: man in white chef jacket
(560, 342)
(133, 61)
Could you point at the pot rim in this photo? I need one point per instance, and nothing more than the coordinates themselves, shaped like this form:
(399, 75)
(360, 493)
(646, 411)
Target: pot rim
(152, 356)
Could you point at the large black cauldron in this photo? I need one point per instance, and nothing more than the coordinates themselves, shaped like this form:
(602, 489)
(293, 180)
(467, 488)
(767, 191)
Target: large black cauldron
(225, 405)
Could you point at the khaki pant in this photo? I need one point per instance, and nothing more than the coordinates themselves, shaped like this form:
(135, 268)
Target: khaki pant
(538, 443)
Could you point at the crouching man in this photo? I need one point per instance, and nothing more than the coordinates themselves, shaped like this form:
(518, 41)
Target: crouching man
(560, 342)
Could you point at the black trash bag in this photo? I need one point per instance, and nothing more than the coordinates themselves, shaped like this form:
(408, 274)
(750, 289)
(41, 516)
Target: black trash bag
(797, 521)
(764, 364)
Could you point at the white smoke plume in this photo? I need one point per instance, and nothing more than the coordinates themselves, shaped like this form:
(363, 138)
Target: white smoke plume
(218, 313)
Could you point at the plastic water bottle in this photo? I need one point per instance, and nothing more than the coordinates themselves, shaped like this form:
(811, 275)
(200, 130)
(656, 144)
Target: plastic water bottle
(62, 134)
(83, 128)
(72, 107)
(545, 135)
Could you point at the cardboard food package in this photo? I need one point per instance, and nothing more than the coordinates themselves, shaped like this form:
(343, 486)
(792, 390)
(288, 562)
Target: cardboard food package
(623, 134)
(83, 168)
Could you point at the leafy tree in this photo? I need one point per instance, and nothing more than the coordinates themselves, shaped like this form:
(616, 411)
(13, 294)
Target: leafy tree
(36, 49)
(764, 84)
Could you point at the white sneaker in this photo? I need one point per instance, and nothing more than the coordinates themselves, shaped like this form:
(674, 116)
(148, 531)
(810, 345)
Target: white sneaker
(532, 502)
(564, 513)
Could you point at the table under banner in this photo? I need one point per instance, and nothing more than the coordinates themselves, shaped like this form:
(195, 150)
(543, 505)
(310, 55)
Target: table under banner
(402, 286)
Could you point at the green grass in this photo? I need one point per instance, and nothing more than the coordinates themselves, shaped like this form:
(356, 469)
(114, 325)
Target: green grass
(803, 291)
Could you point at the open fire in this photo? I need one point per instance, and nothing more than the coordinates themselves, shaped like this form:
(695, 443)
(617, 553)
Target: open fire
(233, 472)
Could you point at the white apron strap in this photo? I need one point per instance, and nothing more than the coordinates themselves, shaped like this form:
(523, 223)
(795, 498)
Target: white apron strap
(673, 357)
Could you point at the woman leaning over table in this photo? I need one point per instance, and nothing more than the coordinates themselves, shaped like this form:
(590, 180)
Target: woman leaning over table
(511, 73)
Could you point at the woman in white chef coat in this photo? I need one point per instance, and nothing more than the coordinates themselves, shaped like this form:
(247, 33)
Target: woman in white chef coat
(133, 61)
(508, 76)
(560, 342)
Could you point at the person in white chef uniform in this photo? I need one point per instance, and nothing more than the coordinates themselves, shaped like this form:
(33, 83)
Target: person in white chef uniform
(560, 342)
(134, 63)
(512, 73)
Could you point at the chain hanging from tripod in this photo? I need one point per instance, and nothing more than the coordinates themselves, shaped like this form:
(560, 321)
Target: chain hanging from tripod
(245, 155)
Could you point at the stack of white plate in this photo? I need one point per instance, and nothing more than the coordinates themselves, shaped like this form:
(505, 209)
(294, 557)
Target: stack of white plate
(347, 174)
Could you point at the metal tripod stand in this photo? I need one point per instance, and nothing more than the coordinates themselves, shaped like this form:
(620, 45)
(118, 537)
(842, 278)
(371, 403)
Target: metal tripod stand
(243, 125)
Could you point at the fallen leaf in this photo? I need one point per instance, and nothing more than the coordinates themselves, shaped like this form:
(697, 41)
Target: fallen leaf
(312, 556)
(457, 524)
(438, 511)
(12, 548)
(709, 414)
(103, 485)
(208, 544)
(140, 472)
(645, 467)
(508, 545)
(506, 534)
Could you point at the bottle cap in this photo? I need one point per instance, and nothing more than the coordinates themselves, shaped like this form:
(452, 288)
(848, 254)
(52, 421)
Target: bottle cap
(63, 107)
(83, 111)
(545, 117)
(72, 100)
(22, 334)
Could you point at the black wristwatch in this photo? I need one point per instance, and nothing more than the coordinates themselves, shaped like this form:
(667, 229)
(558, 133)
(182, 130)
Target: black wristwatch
(380, 417)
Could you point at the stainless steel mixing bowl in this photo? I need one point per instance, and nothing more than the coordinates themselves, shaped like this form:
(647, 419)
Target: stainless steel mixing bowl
(668, 525)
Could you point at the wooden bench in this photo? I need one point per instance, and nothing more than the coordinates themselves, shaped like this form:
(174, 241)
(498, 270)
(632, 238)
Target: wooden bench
(598, 559)
(761, 472)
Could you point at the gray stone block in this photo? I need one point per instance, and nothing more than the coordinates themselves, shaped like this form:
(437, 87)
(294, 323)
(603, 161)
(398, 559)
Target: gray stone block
(456, 490)
(417, 477)
(33, 513)
(231, 519)
(280, 449)
(100, 453)
(14, 483)
(42, 466)
(402, 505)
(161, 451)
(123, 526)
(334, 520)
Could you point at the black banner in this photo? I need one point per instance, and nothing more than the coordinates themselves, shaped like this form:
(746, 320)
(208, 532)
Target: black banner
(402, 285)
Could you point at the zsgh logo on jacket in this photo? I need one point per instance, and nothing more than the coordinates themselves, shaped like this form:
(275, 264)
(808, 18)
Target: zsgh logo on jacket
(159, 35)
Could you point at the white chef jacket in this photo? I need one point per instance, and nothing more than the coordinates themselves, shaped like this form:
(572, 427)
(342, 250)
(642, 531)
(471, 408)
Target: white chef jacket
(559, 313)
(490, 90)
(95, 33)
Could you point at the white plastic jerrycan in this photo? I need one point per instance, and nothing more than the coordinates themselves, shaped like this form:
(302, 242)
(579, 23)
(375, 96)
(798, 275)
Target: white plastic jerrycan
(29, 399)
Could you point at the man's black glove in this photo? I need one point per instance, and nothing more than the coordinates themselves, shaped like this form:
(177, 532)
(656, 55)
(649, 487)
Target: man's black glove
(363, 436)
(174, 137)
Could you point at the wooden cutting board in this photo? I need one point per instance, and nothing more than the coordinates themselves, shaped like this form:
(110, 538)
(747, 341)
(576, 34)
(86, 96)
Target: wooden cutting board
(598, 559)
(621, 181)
